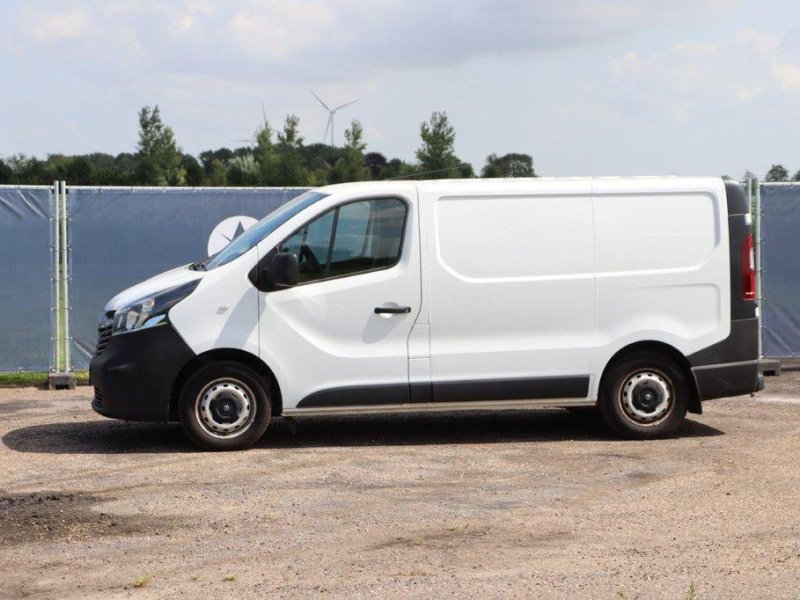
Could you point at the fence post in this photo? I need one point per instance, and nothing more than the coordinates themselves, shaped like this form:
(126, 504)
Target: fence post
(67, 249)
(62, 376)
(55, 308)
(759, 247)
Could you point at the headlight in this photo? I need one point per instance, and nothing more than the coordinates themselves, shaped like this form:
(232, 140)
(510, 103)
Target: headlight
(151, 310)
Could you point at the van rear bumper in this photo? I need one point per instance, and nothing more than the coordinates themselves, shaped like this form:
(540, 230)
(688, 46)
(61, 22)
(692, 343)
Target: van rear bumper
(729, 367)
(134, 374)
(731, 379)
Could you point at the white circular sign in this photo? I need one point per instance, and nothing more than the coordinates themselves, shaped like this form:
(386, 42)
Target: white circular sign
(227, 231)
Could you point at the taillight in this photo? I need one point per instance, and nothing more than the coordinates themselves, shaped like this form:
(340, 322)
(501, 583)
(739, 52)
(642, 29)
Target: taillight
(748, 269)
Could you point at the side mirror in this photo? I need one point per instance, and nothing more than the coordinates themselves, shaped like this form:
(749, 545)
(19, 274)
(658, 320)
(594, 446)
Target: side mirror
(284, 270)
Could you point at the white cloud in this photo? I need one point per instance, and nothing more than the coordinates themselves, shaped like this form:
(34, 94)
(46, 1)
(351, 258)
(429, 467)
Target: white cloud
(765, 43)
(746, 94)
(291, 40)
(277, 30)
(701, 80)
(787, 75)
(69, 24)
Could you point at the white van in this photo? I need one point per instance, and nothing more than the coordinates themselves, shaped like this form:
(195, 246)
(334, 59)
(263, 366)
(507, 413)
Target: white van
(635, 295)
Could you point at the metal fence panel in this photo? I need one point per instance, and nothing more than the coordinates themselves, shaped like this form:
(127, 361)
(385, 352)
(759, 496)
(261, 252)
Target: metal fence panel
(122, 236)
(780, 270)
(25, 276)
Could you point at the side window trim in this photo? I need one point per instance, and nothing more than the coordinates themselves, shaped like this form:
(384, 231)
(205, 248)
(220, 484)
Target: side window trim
(330, 246)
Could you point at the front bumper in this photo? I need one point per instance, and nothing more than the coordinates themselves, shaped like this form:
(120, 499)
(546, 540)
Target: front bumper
(134, 374)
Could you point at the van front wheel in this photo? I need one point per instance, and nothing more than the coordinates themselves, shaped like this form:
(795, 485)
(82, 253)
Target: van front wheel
(224, 406)
(644, 396)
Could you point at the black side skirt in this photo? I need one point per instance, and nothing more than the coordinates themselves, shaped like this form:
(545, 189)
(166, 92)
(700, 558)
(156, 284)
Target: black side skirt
(451, 391)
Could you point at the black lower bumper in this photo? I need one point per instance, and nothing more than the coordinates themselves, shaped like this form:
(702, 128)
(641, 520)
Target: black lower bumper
(734, 379)
(729, 367)
(134, 373)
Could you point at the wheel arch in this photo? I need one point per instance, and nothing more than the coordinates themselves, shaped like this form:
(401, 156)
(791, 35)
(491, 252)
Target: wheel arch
(695, 406)
(230, 354)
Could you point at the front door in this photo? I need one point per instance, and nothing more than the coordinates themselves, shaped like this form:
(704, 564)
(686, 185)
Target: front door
(340, 337)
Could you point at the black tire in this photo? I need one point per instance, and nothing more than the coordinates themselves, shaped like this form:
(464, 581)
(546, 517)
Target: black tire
(632, 397)
(224, 406)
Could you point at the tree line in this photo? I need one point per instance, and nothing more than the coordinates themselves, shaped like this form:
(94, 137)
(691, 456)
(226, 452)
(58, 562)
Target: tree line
(274, 158)
(781, 173)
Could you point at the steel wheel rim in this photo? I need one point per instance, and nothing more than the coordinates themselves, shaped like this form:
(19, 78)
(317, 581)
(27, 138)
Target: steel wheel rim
(225, 408)
(646, 397)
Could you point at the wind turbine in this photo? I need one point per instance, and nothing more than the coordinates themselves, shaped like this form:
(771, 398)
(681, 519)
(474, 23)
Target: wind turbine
(252, 139)
(331, 113)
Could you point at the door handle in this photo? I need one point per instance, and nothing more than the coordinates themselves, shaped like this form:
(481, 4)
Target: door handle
(392, 310)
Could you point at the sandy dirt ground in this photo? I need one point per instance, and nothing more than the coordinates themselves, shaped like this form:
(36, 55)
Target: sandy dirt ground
(493, 505)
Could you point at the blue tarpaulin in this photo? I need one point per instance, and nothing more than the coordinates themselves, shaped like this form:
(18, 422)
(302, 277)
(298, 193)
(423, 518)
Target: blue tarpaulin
(120, 237)
(780, 270)
(25, 271)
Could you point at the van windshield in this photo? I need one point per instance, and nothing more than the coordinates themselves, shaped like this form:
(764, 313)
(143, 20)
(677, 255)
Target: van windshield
(260, 230)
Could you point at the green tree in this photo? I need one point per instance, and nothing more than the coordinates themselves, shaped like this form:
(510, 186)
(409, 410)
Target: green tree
(397, 168)
(195, 175)
(30, 170)
(207, 158)
(219, 175)
(125, 162)
(508, 165)
(352, 166)
(5, 173)
(158, 154)
(319, 170)
(376, 163)
(777, 173)
(465, 170)
(436, 156)
(79, 171)
(291, 167)
(266, 155)
(243, 170)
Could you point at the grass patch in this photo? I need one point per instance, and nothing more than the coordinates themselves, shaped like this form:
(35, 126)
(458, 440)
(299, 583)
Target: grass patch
(692, 593)
(229, 578)
(35, 378)
(142, 581)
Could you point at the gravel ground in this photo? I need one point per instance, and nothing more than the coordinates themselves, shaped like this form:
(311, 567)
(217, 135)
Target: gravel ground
(541, 503)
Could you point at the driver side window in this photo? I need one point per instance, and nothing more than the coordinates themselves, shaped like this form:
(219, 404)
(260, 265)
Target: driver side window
(311, 244)
(353, 238)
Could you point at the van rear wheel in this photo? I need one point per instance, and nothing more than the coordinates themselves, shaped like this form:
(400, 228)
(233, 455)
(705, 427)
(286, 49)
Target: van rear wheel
(224, 406)
(644, 396)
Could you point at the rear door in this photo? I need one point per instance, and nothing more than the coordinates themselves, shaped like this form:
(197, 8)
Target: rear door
(324, 339)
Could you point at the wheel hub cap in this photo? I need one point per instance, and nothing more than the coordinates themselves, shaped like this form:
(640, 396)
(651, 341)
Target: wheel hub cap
(225, 407)
(646, 397)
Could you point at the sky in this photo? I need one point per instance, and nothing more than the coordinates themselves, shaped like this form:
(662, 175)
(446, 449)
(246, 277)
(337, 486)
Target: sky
(586, 87)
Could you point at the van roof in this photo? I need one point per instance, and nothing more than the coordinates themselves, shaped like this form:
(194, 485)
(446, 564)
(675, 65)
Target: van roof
(643, 182)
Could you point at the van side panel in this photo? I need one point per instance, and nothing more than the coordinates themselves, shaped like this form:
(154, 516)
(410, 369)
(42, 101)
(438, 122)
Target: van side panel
(512, 291)
(662, 265)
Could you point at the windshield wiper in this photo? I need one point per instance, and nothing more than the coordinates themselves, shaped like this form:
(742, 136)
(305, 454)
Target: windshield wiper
(200, 265)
